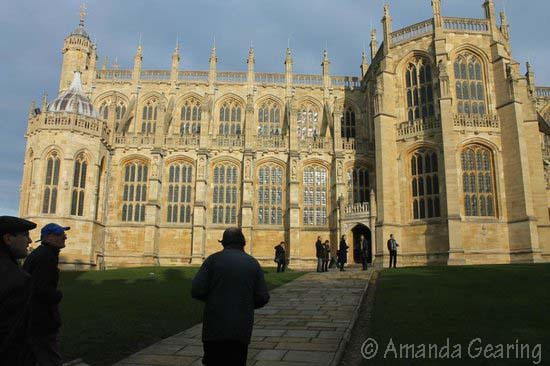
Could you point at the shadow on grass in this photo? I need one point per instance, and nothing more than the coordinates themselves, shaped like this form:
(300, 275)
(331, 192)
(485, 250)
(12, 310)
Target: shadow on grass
(497, 304)
(109, 315)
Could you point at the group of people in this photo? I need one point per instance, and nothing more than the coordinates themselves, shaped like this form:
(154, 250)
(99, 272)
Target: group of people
(29, 295)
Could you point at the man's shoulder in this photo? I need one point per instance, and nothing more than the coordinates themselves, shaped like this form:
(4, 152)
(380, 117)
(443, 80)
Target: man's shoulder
(12, 274)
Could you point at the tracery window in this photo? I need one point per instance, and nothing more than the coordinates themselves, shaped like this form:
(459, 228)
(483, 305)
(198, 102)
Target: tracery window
(180, 190)
(190, 117)
(269, 119)
(419, 90)
(315, 188)
(149, 117)
(270, 195)
(134, 193)
(478, 179)
(470, 88)
(104, 110)
(49, 201)
(425, 184)
(225, 194)
(120, 111)
(358, 185)
(348, 123)
(230, 118)
(79, 185)
(307, 121)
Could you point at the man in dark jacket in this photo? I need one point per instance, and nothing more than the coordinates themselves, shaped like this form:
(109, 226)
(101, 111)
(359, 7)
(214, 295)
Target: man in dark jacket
(366, 252)
(42, 265)
(319, 249)
(343, 253)
(232, 285)
(15, 290)
(392, 248)
(280, 257)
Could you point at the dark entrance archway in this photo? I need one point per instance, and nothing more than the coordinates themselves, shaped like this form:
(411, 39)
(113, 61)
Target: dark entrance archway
(357, 231)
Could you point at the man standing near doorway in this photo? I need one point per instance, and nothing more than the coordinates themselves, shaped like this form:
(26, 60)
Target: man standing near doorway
(392, 247)
(366, 251)
(319, 249)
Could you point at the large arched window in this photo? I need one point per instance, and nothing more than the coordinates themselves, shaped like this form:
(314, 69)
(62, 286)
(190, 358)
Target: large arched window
(470, 88)
(49, 201)
(149, 117)
(425, 184)
(348, 123)
(270, 194)
(315, 188)
(79, 185)
(230, 118)
(180, 192)
(420, 95)
(104, 110)
(358, 185)
(120, 111)
(478, 179)
(190, 117)
(269, 119)
(134, 193)
(225, 195)
(308, 121)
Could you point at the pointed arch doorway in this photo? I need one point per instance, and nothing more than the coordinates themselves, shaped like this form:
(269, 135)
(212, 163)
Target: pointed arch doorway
(357, 231)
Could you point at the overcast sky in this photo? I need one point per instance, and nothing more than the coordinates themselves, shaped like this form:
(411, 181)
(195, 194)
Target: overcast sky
(32, 34)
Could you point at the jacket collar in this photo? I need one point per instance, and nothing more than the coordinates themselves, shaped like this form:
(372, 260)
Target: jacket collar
(55, 251)
(5, 252)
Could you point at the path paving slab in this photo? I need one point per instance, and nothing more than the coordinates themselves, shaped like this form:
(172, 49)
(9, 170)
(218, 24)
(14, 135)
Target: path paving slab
(307, 322)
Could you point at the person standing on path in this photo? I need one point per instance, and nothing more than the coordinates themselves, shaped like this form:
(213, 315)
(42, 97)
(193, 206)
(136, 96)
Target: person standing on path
(280, 257)
(392, 247)
(326, 255)
(366, 252)
(15, 290)
(232, 285)
(42, 265)
(343, 253)
(319, 254)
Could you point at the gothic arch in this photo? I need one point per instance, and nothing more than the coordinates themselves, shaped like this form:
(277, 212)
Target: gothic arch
(186, 96)
(269, 97)
(223, 159)
(272, 160)
(150, 95)
(108, 95)
(49, 149)
(307, 99)
(468, 47)
(316, 161)
(402, 65)
(227, 97)
(134, 157)
(179, 158)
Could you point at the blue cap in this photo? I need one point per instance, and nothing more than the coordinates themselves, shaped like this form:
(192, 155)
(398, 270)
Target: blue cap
(52, 229)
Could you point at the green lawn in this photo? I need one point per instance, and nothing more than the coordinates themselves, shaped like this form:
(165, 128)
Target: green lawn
(497, 304)
(108, 315)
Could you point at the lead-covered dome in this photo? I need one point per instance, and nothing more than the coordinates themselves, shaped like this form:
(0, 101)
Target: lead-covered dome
(73, 100)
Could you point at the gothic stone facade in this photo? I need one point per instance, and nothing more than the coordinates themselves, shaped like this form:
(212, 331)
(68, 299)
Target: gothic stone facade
(439, 142)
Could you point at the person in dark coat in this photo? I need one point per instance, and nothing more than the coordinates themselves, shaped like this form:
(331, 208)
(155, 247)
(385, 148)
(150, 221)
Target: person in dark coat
(343, 253)
(42, 265)
(280, 257)
(392, 247)
(232, 285)
(319, 254)
(326, 255)
(366, 252)
(15, 290)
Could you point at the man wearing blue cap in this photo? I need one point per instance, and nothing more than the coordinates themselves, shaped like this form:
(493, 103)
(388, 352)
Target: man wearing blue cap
(15, 290)
(42, 265)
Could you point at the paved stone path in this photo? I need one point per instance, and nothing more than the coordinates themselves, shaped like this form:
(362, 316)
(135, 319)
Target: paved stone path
(307, 322)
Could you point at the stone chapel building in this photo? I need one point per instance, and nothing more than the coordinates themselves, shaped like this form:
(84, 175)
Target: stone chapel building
(441, 141)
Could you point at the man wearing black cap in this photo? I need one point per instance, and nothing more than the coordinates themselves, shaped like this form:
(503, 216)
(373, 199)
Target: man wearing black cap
(232, 285)
(15, 286)
(42, 265)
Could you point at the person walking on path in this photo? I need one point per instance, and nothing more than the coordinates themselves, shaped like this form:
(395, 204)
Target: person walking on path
(326, 255)
(42, 265)
(319, 254)
(15, 291)
(343, 253)
(232, 285)
(392, 247)
(280, 257)
(366, 252)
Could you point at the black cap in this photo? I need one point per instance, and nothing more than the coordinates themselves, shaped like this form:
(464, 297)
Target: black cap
(13, 225)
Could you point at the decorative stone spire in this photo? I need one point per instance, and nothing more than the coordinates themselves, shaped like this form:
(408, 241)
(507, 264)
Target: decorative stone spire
(373, 44)
(31, 109)
(44, 102)
(436, 7)
(175, 62)
(387, 24)
(251, 61)
(104, 64)
(504, 25)
(288, 66)
(82, 15)
(364, 63)
(115, 65)
(213, 65)
(530, 75)
(137, 62)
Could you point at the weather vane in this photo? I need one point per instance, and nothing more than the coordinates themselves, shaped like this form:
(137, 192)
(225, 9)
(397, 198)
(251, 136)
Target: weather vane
(82, 13)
